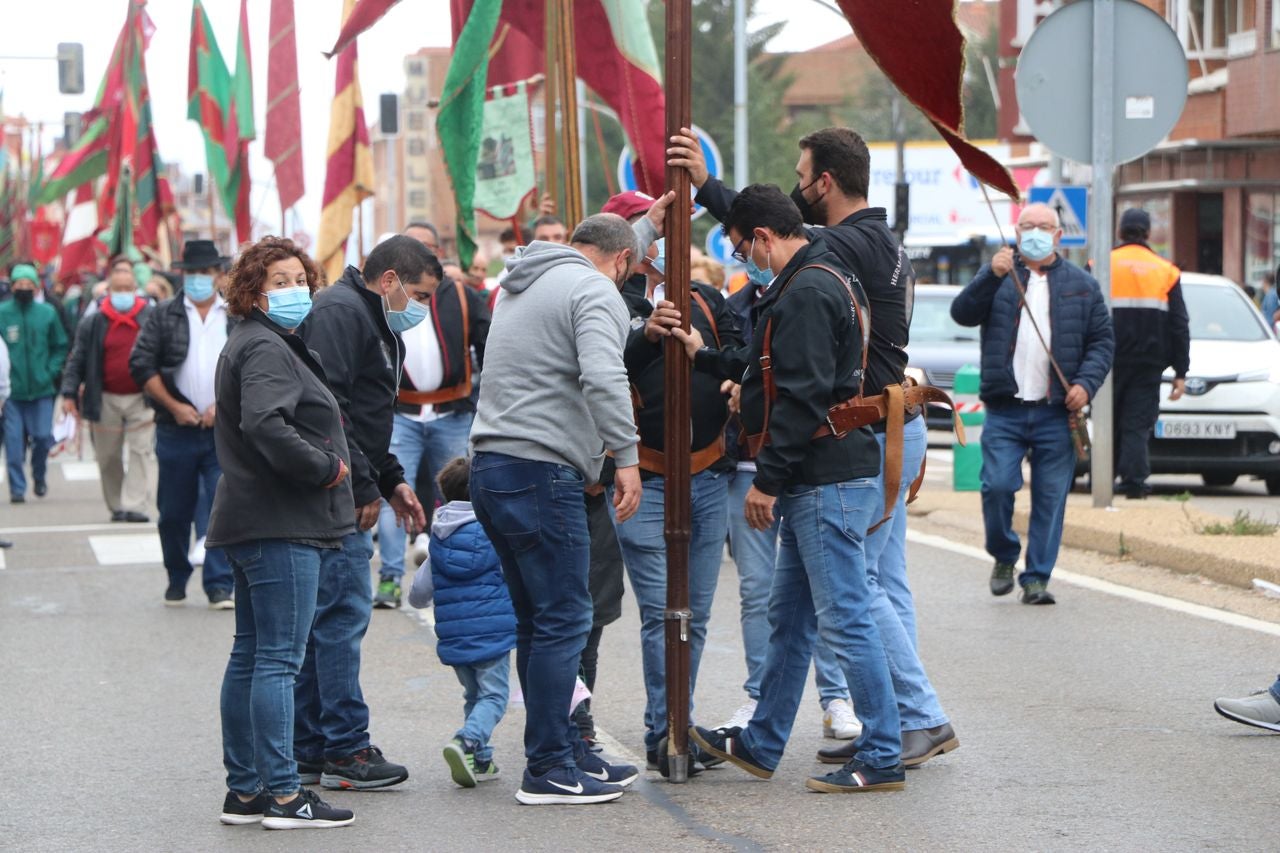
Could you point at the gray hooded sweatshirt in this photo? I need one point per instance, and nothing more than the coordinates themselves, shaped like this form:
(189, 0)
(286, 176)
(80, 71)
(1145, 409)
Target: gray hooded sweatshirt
(554, 388)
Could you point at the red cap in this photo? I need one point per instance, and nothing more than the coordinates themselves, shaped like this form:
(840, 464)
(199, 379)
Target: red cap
(628, 204)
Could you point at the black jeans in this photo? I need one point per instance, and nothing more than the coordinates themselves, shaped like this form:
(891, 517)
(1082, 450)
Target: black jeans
(1137, 405)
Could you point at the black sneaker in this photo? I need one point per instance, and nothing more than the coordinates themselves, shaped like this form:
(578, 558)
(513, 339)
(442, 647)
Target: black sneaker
(17, 499)
(565, 786)
(856, 777)
(174, 596)
(362, 771)
(305, 811)
(309, 771)
(236, 812)
(42, 488)
(220, 599)
(605, 773)
(719, 745)
(1036, 592)
(1002, 578)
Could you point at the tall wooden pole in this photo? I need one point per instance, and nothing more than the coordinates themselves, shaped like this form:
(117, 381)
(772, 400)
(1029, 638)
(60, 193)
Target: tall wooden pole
(677, 432)
(550, 86)
(568, 79)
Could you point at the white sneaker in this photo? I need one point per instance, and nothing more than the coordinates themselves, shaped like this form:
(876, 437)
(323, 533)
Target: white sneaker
(839, 722)
(418, 550)
(741, 717)
(196, 555)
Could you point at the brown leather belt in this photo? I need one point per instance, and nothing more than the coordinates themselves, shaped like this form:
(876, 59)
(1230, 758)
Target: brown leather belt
(654, 461)
(440, 395)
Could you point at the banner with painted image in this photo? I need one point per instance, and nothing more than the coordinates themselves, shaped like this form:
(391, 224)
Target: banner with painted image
(505, 174)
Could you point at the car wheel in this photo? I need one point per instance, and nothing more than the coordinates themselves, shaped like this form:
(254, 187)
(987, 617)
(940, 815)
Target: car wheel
(1273, 485)
(1218, 479)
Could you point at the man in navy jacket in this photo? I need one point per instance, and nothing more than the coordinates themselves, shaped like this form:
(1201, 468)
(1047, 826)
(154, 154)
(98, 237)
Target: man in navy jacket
(1027, 403)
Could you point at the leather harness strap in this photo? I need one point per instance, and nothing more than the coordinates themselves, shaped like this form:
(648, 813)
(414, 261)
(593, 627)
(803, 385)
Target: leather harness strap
(453, 392)
(654, 461)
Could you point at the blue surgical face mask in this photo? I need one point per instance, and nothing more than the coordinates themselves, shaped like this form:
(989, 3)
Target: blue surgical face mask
(414, 313)
(660, 262)
(289, 306)
(757, 275)
(198, 286)
(1035, 245)
(122, 302)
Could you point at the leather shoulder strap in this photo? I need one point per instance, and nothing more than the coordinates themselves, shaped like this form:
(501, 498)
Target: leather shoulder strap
(707, 312)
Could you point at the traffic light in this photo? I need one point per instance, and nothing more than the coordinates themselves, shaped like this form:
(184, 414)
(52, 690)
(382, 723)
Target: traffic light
(71, 68)
(389, 114)
(71, 128)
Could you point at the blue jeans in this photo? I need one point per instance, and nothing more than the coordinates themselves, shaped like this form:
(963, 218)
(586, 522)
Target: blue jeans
(187, 460)
(820, 588)
(535, 517)
(644, 553)
(484, 693)
(275, 583)
(1008, 434)
(25, 419)
(331, 717)
(891, 604)
(754, 552)
(414, 443)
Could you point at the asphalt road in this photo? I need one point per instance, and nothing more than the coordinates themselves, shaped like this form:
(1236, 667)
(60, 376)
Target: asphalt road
(1084, 726)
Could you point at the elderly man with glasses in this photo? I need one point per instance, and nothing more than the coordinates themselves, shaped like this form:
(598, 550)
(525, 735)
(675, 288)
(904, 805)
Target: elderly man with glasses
(1044, 354)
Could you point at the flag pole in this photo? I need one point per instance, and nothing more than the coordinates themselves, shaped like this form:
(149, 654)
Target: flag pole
(677, 434)
(568, 80)
(549, 99)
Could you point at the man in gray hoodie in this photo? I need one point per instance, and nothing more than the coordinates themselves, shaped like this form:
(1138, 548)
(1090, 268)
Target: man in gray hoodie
(554, 400)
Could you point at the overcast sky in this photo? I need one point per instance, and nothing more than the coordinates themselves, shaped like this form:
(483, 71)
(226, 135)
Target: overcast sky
(33, 28)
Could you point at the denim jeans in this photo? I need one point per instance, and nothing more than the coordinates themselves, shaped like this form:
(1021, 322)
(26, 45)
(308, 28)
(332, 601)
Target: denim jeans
(1008, 434)
(187, 460)
(415, 444)
(331, 717)
(820, 588)
(484, 693)
(275, 584)
(891, 603)
(754, 552)
(534, 515)
(25, 419)
(644, 552)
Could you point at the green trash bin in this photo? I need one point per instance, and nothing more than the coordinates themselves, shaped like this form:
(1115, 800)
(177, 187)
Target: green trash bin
(966, 471)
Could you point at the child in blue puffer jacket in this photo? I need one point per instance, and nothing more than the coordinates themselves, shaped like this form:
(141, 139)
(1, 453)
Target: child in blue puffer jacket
(475, 623)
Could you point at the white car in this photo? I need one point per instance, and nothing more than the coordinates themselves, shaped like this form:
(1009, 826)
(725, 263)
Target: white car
(1228, 422)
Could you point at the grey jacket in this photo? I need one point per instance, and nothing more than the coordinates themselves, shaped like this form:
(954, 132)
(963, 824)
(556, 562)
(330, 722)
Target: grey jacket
(554, 387)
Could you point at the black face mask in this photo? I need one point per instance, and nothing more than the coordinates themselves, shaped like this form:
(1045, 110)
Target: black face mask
(808, 214)
(24, 297)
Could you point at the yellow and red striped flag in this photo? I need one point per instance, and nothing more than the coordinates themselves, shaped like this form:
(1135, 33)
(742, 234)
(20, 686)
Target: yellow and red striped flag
(348, 176)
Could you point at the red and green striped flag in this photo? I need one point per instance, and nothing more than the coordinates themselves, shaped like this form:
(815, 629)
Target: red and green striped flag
(222, 104)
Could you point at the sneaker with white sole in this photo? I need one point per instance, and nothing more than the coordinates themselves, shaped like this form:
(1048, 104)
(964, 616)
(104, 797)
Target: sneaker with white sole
(237, 812)
(305, 811)
(1259, 709)
(565, 786)
(741, 717)
(605, 773)
(839, 722)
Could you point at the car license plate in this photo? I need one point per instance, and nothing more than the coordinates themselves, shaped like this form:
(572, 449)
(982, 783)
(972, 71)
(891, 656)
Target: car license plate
(1187, 428)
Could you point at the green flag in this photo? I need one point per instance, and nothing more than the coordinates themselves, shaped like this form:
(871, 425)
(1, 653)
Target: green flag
(461, 117)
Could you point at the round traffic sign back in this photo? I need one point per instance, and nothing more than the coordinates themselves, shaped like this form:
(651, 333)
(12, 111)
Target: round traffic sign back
(715, 168)
(1055, 85)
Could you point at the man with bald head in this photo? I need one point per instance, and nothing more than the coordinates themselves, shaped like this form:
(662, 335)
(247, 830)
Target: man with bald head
(548, 414)
(1027, 405)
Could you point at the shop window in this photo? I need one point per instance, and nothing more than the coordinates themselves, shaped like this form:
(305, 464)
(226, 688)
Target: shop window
(1261, 236)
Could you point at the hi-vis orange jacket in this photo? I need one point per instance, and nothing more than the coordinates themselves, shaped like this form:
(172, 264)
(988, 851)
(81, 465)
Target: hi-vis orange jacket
(1148, 312)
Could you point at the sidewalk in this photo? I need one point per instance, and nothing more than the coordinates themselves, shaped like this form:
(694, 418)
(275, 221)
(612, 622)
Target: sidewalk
(1159, 532)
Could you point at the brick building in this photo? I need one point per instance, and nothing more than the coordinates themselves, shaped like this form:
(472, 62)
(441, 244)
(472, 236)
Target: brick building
(1213, 187)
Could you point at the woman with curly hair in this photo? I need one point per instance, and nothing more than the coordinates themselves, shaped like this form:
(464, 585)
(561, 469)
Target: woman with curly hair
(280, 512)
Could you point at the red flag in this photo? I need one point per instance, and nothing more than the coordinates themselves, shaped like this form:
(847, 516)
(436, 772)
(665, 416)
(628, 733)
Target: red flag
(365, 14)
(283, 145)
(921, 50)
(80, 244)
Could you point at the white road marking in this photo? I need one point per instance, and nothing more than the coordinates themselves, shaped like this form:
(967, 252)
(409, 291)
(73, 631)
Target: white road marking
(126, 549)
(1213, 614)
(75, 528)
(2, 565)
(80, 471)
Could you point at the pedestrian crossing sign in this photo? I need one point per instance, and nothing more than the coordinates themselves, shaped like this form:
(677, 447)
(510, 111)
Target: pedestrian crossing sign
(1072, 206)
